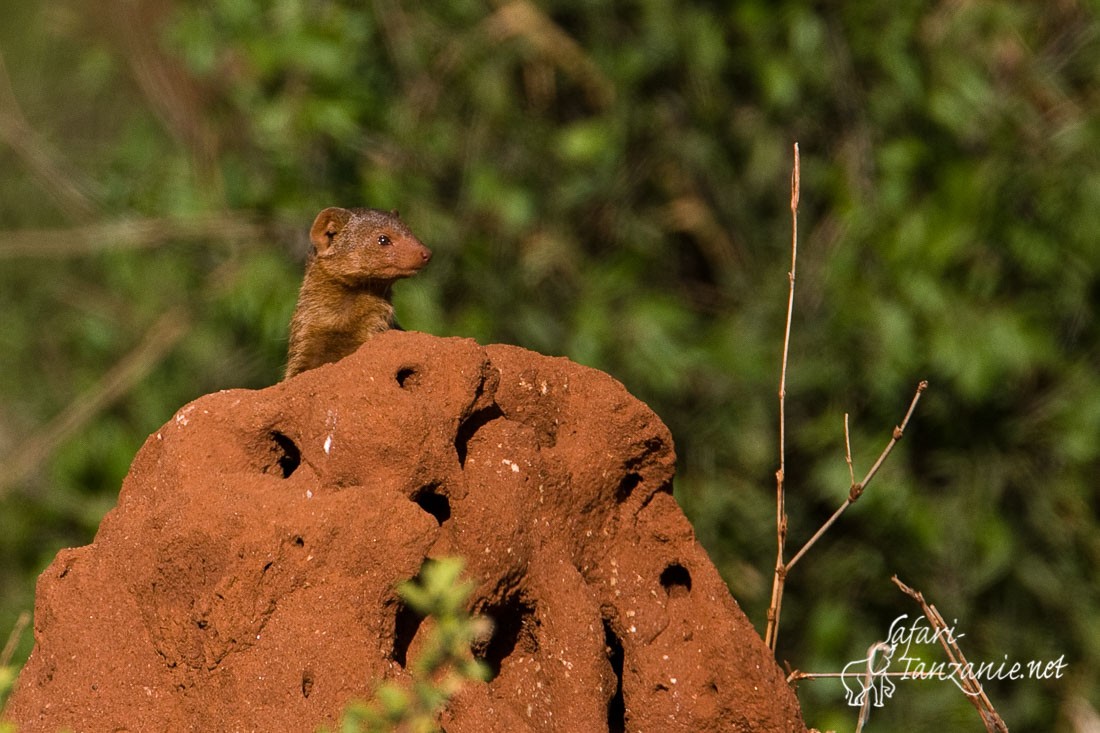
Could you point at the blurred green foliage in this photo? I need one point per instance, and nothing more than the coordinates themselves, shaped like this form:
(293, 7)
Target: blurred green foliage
(610, 182)
(442, 666)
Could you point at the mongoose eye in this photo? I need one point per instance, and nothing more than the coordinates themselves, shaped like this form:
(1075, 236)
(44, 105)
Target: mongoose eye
(384, 240)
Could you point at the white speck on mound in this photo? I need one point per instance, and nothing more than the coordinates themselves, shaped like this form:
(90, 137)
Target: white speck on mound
(330, 423)
(181, 416)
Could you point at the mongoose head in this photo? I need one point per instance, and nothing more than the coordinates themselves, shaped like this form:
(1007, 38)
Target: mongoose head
(363, 246)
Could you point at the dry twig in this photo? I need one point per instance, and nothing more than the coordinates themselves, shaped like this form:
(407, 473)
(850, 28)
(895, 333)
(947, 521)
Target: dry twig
(174, 96)
(126, 234)
(772, 632)
(524, 19)
(966, 679)
(131, 369)
(782, 568)
(65, 186)
(857, 488)
(854, 492)
(13, 638)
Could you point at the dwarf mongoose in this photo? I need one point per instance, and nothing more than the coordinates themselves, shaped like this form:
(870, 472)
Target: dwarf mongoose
(345, 296)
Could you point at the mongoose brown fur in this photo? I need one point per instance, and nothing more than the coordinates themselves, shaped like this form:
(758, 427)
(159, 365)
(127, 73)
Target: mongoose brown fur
(345, 296)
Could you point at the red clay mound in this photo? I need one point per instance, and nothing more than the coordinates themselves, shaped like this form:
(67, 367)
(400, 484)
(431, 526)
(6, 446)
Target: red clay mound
(245, 582)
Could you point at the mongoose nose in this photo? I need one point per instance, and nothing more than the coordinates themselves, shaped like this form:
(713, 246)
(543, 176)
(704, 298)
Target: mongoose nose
(426, 255)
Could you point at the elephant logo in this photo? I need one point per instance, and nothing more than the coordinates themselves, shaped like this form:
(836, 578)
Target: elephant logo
(870, 676)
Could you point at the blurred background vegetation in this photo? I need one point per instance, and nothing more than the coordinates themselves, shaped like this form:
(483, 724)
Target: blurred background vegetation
(610, 182)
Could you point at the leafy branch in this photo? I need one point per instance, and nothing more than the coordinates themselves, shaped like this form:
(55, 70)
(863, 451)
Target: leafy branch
(445, 662)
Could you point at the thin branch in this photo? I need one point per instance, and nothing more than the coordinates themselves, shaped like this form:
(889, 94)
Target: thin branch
(174, 96)
(771, 635)
(848, 452)
(63, 185)
(126, 234)
(796, 675)
(857, 489)
(967, 680)
(159, 340)
(782, 569)
(688, 211)
(526, 20)
(13, 638)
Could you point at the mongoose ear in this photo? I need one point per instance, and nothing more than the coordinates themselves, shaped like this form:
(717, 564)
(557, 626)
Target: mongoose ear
(395, 214)
(326, 226)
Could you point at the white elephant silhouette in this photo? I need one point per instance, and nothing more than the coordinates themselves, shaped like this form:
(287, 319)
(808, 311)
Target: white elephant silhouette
(870, 676)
